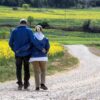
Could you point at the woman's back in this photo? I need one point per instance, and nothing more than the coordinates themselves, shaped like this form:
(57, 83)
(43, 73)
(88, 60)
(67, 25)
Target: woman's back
(44, 42)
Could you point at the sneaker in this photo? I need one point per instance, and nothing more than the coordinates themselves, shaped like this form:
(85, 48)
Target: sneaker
(26, 85)
(37, 89)
(43, 87)
(20, 87)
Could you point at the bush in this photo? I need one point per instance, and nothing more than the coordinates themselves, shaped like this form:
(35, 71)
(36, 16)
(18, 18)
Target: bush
(44, 24)
(30, 20)
(79, 6)
(4, 34)
(15, 8)
(25, 6)
(86, 25)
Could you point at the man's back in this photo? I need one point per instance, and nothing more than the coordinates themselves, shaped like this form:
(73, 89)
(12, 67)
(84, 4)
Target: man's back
(21, 37)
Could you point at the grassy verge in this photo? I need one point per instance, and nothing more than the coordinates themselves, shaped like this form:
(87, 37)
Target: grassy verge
(7, 70)
(95, 49)
(60, 62)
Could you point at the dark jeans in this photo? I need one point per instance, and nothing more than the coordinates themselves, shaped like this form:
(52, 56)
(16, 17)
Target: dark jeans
(19, 62)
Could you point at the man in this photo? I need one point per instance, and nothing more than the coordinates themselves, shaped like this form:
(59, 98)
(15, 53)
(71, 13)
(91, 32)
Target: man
(20, 42)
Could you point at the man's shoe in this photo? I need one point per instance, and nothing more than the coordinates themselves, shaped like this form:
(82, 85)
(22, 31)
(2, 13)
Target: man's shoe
(37, 89)
(26, 85)
(43, 87)
(20, 87)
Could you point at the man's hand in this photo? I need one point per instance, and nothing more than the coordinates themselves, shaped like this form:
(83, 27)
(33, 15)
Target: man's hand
(17, 51)
(44, 51)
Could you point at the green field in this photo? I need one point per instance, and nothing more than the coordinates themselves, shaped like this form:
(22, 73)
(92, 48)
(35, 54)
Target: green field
(63, 37)
(55, 17)
(73, 37)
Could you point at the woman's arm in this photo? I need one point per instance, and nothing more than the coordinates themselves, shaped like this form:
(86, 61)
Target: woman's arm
(47, 46)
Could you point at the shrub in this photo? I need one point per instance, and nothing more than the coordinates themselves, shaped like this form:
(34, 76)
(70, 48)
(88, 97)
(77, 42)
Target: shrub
(30, 20)
(4, 34)
(44, 24)
(25, 6)
(86, 25)
(15, 8)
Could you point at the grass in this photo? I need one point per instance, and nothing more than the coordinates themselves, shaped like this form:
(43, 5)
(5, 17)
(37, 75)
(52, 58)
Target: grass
(62, 63)
(59, 62)
(63, 37)
(62, 17)
(8, 69)
(73, 37)
(55, 17)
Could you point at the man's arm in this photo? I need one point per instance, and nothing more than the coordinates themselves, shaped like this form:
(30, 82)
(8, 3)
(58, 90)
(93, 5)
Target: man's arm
(11, 41)
(36, 43)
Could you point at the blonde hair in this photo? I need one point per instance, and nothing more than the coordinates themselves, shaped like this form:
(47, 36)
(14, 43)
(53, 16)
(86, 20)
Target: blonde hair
(40, 27)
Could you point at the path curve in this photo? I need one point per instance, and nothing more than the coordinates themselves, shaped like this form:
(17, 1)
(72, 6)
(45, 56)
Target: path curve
(82, 83)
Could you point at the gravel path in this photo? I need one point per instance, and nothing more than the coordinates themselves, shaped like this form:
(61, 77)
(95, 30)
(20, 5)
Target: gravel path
(82, 83)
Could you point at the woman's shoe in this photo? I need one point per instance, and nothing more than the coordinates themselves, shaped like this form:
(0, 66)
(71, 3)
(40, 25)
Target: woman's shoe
(43, 87)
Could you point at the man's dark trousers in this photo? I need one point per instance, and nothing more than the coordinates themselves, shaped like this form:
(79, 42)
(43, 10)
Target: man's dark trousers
(19, 62)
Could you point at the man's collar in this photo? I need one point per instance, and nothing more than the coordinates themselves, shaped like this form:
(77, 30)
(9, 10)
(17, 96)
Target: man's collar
(22, 26)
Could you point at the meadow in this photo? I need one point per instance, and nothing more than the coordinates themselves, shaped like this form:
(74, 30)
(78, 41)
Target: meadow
(55, 17)
(62, 37)
(57, 37)
(56, 55)
(73, 37)
(7, 69)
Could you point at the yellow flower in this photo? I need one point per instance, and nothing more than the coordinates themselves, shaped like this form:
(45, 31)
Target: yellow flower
(6, 52)
(55, 49)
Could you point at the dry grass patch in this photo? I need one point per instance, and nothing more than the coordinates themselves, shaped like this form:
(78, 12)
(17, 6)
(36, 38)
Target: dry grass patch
(64, 63)
(95, 50)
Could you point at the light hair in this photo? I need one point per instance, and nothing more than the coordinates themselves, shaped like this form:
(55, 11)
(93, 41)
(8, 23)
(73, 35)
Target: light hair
(39, 26)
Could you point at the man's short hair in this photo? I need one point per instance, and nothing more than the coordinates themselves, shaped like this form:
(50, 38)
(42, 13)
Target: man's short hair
(23, 21)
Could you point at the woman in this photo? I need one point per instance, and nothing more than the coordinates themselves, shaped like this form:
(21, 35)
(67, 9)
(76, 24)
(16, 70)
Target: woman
(39, 59)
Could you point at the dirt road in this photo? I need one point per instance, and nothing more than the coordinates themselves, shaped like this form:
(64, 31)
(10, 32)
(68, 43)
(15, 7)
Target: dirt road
(82, 83)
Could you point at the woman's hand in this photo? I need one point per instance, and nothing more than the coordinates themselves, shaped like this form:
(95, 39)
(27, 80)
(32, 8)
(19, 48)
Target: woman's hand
(44, 50)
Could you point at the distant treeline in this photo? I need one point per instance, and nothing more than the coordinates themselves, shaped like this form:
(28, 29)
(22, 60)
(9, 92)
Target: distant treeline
(53, 3)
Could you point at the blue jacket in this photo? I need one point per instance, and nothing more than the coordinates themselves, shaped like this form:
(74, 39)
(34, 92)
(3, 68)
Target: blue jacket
(45, 44)
(22, 40)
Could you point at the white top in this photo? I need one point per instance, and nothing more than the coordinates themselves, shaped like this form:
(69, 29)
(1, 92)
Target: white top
(32, 59)
(39, 36)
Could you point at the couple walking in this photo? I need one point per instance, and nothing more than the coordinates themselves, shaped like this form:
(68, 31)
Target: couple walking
(30, 48)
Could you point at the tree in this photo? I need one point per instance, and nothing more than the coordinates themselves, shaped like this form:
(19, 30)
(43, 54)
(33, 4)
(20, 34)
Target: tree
(25, 6)
(30, 20)
(2, 1)
(20, 2)
(52, 3)
(12, 2)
